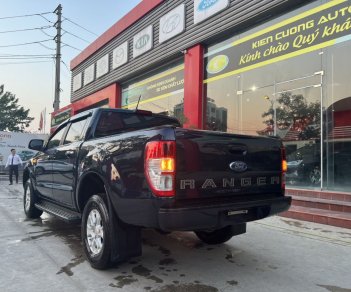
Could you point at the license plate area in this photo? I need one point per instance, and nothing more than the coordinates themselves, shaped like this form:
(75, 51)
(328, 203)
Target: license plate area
(237, 212)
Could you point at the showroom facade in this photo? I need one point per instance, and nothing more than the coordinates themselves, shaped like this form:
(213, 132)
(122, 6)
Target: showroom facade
(245, 67)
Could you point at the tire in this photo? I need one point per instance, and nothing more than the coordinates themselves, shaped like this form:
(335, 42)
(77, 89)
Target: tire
(96, 232)
(29, 199)
(217, 236)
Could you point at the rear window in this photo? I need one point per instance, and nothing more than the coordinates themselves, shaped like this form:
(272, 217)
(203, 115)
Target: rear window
(111, 123)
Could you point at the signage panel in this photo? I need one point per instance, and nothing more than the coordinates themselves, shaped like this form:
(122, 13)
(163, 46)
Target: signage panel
(120, 55)
(60, 117)
(77, 82)
(143, 41)
(172, 24)
(102, 66)
(309, 31)
(204, 9)
(89, 74)
(155, 87)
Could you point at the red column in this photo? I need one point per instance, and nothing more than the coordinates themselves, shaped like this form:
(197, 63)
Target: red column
(116, 99)
(193, 87)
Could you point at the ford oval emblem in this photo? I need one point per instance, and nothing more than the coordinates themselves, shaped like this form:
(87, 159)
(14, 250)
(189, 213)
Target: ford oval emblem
(206, 4)
(238, 166)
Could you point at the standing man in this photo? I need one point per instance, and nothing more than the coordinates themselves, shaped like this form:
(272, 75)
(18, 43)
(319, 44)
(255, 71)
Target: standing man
(13, 161)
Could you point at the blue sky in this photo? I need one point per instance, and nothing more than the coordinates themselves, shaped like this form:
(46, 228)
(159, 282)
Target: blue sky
(33, 83)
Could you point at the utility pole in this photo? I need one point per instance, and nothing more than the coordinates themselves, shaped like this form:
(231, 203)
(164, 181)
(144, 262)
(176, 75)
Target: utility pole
(58, 11)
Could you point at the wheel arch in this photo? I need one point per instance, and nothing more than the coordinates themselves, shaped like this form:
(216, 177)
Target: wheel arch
(89, 184)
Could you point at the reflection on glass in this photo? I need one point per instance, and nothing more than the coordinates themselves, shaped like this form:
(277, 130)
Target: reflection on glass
(178, 112)
(217, 117)
(286, 98)
(260, 102)
(281, 98)
(294, 117)
(337, 131)
(161, 92)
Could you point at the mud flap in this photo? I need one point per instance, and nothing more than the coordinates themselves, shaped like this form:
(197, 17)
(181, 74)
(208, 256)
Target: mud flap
(238, 229)
(126, 239)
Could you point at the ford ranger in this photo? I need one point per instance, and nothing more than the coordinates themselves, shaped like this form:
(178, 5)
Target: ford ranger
(118, 171)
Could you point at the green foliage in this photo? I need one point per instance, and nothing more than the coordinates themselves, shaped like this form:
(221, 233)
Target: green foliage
(294, 112)
(12, 116)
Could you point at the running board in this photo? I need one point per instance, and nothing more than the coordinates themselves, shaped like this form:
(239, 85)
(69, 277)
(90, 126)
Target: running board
(58, 211)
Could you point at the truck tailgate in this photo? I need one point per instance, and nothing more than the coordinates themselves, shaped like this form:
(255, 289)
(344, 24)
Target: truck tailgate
(212, 164)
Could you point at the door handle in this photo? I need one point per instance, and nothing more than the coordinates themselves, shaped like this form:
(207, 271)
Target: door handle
(69, 153)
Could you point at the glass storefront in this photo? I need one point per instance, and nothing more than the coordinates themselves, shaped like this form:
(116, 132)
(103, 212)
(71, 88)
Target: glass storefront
(289, 77)
(161, 92)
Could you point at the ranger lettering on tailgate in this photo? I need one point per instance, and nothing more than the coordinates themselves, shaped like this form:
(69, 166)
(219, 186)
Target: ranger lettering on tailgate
(191, 184)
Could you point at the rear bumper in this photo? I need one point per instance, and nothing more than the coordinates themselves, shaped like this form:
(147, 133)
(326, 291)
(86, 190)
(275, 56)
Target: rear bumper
(218, 216)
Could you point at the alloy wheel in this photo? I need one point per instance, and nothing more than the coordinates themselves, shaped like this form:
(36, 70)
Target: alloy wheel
(95, 232)
(27, 200)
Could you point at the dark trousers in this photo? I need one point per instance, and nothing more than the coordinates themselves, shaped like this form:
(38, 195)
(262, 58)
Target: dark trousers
(13, 170)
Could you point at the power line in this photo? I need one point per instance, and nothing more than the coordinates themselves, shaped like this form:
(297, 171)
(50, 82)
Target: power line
(46, 18)
(24, 44)
(26, 29)
(32, 58)
(67, 45)
(20, 63)
(25, 55)
(25, 15)
(46, 47)
(75, 35)
(71, 21)
(44, 32)
(65, 65)
(24, 58)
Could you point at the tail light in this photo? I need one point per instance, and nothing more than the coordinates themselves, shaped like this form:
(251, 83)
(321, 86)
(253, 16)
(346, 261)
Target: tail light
(284, 167)
(160, 158)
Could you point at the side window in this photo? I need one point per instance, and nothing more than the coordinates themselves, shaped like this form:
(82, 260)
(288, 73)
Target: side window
(56, 139)
(109, 123)
(75, 132)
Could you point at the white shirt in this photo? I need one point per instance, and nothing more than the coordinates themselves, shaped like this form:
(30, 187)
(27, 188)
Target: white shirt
(16, 160)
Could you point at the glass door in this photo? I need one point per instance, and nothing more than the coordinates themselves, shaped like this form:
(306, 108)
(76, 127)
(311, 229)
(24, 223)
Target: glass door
(291, 110)
(297, 119)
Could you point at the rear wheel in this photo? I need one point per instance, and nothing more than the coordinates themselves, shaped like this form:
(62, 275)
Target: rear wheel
(29, 199)
(106, 239)
(217, 236)
(96, 232)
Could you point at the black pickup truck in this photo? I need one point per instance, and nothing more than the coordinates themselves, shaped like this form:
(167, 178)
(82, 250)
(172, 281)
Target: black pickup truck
(118, 171)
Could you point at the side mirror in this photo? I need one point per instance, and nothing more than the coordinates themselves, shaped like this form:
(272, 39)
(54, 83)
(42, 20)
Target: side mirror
(36, 144)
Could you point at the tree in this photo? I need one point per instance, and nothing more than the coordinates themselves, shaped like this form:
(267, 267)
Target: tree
(293, 112)
(12, 116)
